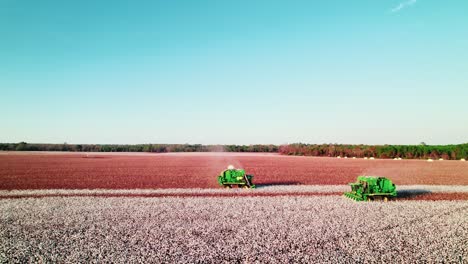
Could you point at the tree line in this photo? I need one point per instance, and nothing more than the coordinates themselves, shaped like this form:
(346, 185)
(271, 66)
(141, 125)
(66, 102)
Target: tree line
(156, 148)
(421, 151)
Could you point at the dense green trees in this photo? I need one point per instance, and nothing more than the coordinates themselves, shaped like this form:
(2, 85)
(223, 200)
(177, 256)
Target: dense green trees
(23, 146)
(421, 151)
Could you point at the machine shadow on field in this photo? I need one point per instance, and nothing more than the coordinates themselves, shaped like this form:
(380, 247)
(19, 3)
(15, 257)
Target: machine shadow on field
(412, 193)
(277, 183)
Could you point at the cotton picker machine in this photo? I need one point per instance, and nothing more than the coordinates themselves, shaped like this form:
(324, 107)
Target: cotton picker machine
(233, 176)
(369, 188)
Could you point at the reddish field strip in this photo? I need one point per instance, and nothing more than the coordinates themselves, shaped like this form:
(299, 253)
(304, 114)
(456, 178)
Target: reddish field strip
(420, 197)
(438, 197)
(76, 171)
(159, 195)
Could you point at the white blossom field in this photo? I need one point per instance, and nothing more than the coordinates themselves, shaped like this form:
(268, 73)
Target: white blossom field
(267, 189)
(282, 229)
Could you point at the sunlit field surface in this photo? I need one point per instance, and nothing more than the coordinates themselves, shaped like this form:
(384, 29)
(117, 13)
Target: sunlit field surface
(232, 229)
(93, 207)
(199, 170)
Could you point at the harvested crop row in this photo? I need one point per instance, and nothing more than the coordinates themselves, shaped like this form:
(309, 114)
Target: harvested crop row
(78, 171)
(404, 192)
(405, 196)
(265, 229)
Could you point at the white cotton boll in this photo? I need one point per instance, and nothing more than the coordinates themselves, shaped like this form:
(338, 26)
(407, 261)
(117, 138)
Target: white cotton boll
(430, 160)
(230, 167)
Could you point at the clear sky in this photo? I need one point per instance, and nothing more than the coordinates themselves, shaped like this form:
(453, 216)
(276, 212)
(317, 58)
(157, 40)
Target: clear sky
(234, 72)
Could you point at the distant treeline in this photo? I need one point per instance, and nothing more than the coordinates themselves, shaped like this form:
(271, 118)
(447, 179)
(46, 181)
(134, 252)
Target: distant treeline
(421, 151)
(157, 148)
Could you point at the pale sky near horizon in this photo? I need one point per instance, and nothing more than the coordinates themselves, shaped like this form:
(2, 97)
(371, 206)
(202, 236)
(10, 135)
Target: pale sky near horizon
(234, 72)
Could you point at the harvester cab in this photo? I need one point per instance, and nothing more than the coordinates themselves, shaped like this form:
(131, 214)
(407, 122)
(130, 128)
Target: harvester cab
(232, 176)
(369, 188)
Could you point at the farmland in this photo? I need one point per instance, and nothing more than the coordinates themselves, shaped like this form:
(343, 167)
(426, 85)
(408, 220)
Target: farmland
(79, 207)
(242, 229)
(198, 170)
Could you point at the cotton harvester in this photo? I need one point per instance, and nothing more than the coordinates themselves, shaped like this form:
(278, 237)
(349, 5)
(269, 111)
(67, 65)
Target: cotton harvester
(369, 188)
(233, 176)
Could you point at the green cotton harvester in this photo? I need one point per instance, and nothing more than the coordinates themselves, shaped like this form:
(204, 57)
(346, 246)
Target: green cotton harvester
(232, 176)
(369, 188)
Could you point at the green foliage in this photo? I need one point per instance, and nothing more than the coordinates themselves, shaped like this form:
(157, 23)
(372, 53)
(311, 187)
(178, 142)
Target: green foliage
(22, 146)
(156, 148)
(421, 151)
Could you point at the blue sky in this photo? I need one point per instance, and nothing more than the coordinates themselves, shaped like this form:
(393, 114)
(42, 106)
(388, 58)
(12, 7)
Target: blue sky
(234, 72)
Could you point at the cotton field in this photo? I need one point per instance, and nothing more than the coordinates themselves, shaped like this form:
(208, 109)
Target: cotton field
(407, 191)
(231, 229)
(199, 170)
(169, 208)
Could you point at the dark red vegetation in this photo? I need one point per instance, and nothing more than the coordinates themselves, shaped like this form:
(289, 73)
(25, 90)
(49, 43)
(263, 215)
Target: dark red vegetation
(79, 171)
(437, 197)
